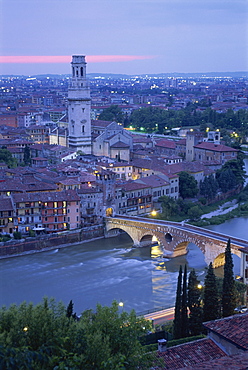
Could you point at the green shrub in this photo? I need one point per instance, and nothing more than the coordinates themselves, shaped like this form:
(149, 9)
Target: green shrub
(6, 237)
(17, 235)
(176, 342)
(31, 233)
(203, 201)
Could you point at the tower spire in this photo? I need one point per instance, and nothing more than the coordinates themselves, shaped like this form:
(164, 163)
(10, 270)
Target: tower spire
(79, 105)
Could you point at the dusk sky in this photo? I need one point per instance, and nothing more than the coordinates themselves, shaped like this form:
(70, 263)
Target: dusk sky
(123, 36)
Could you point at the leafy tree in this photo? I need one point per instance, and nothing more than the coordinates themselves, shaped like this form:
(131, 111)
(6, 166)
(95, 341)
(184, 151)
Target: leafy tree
(209, 187)
(17, 235)
(27, 156)
(228, 293)
(211, 310)
(69, 310)
(169, 206)
(194, 212)
(194, 304)
(185, 324)
(6, 156)
(112, 113)
(177, 323)
(42, 337)
(187, 185)
(226, 180)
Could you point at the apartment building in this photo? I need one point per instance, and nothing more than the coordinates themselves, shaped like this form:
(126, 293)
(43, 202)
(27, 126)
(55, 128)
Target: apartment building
(6, 215)
(52, 211)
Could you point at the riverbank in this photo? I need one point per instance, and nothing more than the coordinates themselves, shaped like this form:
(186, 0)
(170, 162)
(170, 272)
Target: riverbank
(224, 213)
(41, 243)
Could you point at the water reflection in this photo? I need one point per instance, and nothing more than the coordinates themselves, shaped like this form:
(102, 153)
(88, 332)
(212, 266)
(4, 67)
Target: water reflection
(98, 271)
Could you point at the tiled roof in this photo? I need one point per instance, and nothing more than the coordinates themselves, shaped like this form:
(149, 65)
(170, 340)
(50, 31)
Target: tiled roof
(233, 328)
(165, 143)
(153, 181)
(100, 123)
(120, 144)
(192, 167)
(215, 147)
(131, 186)
(181, 142)
(190, 354)
(6, 204)
(235, 362)
(68, 195)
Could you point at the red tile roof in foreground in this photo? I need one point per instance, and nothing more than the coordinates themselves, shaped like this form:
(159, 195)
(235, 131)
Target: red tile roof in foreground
(233, 328)
(235, 362)
(190, 354)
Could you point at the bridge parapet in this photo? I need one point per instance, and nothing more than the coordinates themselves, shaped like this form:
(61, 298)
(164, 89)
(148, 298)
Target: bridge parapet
(174, 237)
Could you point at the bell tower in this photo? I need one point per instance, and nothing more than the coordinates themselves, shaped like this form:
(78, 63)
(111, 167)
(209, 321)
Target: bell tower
(79, 104)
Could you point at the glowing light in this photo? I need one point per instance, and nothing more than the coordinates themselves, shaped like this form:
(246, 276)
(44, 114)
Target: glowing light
(153, 213)
(199, 286)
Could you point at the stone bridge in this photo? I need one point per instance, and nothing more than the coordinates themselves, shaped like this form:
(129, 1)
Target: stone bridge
(174, 237)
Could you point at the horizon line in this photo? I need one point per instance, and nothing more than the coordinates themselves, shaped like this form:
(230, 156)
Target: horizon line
(26, 59)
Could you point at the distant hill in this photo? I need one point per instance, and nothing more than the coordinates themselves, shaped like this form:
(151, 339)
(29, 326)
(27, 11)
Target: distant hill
(161, 75)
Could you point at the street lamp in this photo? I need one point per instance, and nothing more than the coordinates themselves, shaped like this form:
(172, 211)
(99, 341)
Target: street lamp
(154, 213)
(121, 305)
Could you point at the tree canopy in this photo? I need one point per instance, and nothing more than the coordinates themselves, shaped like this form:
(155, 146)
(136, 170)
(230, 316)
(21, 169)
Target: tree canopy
(47, 336)
(187, 185)
(112, 113)
(6, 156)
(228, 292)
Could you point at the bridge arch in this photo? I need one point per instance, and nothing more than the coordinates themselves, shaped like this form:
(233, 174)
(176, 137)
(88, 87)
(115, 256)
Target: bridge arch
(219, 260)
(174, 237)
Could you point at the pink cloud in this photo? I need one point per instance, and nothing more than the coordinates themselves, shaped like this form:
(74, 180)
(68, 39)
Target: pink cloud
(67, 59)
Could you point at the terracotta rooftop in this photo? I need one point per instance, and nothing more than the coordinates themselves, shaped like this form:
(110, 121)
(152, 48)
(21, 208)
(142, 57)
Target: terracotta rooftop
(153, 181)
(235, 362)
(120, 144)
(233, 328)
(165, 143)
(215, 147)
(190, 354)
(6, 204)
(67, 195)
(131, 186)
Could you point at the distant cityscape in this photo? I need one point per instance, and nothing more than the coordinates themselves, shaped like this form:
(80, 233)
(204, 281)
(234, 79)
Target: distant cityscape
(69, 168)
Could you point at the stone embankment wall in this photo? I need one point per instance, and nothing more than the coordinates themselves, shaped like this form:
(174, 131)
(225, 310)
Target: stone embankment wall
(43, 242)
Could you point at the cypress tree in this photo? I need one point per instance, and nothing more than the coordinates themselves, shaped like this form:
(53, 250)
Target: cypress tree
(185, 324)
(228, 292)
(194, 304)
(177, 323)
(211, 309)
(69, 309)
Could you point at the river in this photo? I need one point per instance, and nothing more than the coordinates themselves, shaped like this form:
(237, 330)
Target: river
(103, 270)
